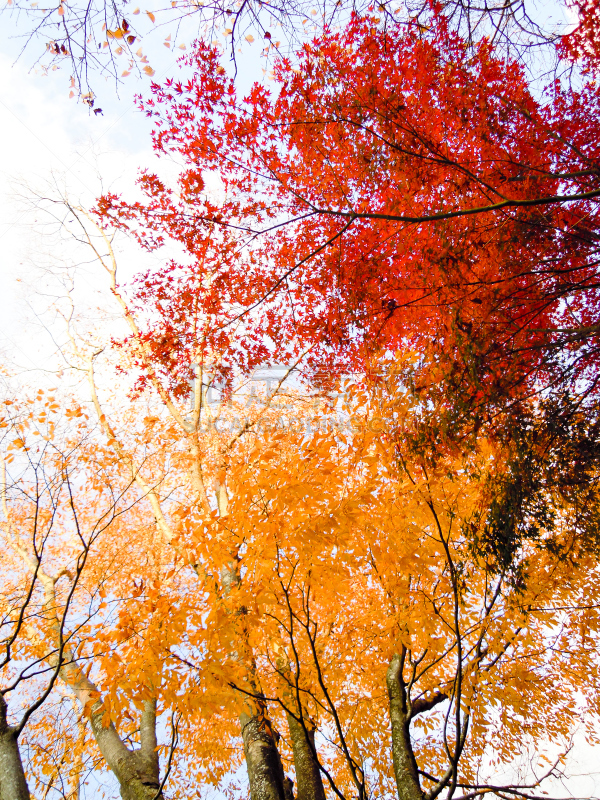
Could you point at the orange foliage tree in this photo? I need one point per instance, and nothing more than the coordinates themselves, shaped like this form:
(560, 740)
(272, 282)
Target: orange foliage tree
(343, 606)
(308, 600)
(326, 617)
(60, 497)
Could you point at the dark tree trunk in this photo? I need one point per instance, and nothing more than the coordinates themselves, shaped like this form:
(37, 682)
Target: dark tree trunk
(309, 785)
(405, 765)
(13, 785)
(288, 788)
(265, 771)
(263, 762)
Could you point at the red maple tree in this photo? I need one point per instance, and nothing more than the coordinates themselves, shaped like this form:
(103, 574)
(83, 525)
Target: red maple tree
(397, 188)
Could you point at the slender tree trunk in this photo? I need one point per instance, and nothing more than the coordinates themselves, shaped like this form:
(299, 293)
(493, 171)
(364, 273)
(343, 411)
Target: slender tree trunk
(136, 770)
(405, 765)
(13, 785)
(263, 762)
(309, 785)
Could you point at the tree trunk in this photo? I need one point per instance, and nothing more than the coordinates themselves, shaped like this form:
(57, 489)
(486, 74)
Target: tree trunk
(405, 765)
(309, 785)
(136, 770)
(288, 788)
(263, 762)
(13, 785)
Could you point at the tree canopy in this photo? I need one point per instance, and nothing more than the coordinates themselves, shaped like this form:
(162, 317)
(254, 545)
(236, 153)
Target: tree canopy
(373, 573)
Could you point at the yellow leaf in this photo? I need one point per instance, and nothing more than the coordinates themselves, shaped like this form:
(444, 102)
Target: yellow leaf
(151, 15)
(250, 38)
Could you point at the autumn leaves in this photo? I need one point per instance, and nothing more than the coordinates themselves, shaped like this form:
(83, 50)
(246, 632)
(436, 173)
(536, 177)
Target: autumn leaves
(291, 594)
(389, 606)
